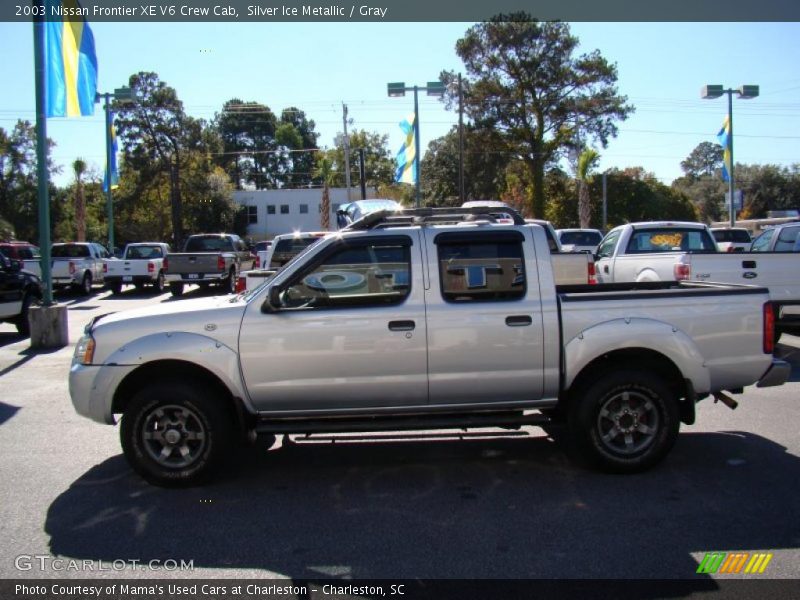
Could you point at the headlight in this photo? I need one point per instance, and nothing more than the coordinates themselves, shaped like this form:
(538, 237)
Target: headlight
(84, 351)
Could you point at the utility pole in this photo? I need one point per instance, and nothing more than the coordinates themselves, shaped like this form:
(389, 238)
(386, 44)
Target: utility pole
(605, 202)
(346, 152)
(362, 170)
(460, 141)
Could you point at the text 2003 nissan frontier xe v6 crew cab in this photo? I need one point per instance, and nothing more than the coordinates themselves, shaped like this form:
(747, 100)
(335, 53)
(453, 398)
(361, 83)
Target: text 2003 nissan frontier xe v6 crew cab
(427, 319)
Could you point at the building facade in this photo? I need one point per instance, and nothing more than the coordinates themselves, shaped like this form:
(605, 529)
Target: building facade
(273, 212)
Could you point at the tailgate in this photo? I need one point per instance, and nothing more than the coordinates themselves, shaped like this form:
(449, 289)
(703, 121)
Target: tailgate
(193, 263)
(127, 267)
(570, 268)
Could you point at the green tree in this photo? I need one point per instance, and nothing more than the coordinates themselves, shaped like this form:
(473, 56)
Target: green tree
(704, 161)
(18, 179)
(525, 82)
(378, 159)
(484, 168)
(304, 146)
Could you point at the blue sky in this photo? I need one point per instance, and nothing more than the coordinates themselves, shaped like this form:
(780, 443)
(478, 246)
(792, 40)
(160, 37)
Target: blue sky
(316, 67)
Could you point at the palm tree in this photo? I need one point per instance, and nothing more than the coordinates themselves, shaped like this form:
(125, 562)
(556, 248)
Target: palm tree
(586, 162)
(79, 167)
(324, 171)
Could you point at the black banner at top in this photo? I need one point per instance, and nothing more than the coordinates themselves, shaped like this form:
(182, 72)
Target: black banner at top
(251, 11)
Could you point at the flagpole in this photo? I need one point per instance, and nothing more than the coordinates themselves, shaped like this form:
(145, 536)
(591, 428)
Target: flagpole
(41, 160)
(418, 194)
(109, 158)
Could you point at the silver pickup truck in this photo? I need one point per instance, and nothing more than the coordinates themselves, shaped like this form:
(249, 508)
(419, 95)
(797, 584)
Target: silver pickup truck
(208, 258)
(429, 319)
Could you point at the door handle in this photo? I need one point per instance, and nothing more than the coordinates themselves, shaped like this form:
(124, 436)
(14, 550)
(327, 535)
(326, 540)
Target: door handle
(518, 321)
(605, 269)
(402, 325)
(749, 264)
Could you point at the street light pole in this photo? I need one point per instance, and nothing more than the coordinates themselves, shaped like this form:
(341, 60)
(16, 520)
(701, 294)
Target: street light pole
(433, 88)
(745, 92)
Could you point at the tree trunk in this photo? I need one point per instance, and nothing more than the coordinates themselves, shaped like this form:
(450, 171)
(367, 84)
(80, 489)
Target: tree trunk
(536, 168)
(584, 205)
(80, 213)
(175, 201)
(325, 217)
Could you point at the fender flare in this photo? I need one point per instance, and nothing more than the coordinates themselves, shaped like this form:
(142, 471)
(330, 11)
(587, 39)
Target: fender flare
(200, 350)
(647, 274)
(621, 334)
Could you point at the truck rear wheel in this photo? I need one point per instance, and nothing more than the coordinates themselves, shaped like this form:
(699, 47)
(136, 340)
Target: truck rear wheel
(176, 289)
(174, 434)
(625, 422)
(159, 283)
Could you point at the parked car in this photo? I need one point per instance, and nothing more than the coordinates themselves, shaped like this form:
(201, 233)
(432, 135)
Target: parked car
(421, 323)
(141, 264)
(26, 253)
(732, 239)
(19, 289)
(208, 258)
(579, 240)
(352, 212)
(781, 238)
(79, 265)
(288, 245)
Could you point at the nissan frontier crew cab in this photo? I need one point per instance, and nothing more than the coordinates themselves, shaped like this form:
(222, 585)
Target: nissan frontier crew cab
(426, 319)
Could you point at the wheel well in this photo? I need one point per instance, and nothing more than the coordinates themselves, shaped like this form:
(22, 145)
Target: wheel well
(642, 359)
(180, 371)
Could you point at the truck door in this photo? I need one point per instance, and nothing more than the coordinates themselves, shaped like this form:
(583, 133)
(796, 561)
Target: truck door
(485, 330)
(604, 259)
(349, 331)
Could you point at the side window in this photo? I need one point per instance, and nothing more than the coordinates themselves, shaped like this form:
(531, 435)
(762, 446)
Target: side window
(481, 271)
(369, 273)
(786, 239)
(761, 243)
(606, 247)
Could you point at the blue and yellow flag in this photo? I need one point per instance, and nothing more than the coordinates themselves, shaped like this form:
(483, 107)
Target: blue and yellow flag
(406, 164)
(114, 169)
(724, 138)
(70, 61)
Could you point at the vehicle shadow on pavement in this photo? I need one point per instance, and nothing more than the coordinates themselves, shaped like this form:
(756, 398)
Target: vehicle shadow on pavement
(7, 411)
(442, 508)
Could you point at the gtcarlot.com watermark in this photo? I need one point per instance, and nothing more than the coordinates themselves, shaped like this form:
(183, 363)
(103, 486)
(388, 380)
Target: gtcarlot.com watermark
(45, 562)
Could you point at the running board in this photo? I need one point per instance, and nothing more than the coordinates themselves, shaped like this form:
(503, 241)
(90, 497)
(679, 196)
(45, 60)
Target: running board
(418, 422)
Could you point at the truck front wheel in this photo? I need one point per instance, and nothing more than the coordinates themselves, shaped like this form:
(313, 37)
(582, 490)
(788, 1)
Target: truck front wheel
(175, 434)
(625, 422)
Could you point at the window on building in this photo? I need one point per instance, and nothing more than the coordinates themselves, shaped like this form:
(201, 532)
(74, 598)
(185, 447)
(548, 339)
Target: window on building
(252, 215)
(270, 209)
(284, 209)
(304, 209)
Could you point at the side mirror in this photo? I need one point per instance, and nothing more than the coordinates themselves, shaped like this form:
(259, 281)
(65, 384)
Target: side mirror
(272, 303)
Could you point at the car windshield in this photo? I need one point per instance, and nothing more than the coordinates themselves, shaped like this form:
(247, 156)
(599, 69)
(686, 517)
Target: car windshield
(581, 238)
(70, 251)
(293, 245)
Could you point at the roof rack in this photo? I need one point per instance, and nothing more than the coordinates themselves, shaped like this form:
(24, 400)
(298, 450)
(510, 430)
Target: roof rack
(440, 216)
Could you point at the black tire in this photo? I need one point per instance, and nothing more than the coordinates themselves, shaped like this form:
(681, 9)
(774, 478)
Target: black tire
(625, 422)
(176, 289)
(84, 288)
(228, 284)
(175, 434)
(22, 323)
(116, 288)
(160, 283)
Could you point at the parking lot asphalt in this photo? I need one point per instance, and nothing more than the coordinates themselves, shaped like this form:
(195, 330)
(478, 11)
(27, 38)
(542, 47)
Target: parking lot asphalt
(480, 504)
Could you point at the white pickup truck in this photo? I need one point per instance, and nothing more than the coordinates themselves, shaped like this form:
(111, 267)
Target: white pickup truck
(79, 265)
(417, 321)
(141, 264)
(687, 252)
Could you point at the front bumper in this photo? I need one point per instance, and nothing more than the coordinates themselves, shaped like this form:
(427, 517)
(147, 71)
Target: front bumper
(777, 374)
(92, 388)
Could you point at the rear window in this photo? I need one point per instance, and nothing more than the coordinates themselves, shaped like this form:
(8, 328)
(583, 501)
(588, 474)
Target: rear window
(208, 244)
(670, 240)
(740, 236)
(580, 238)
(294, 245)
(70, 251)
(145, 252)
(786, 239)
